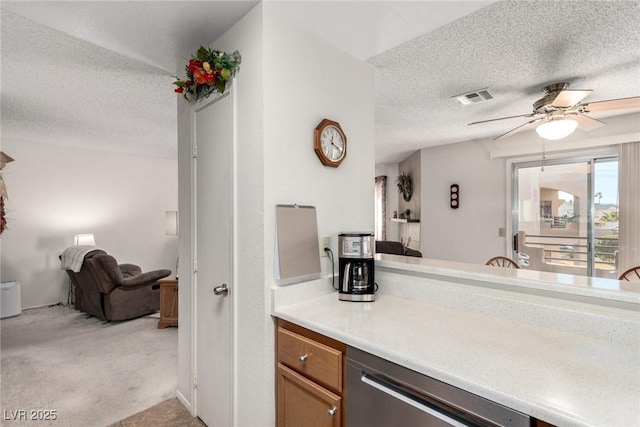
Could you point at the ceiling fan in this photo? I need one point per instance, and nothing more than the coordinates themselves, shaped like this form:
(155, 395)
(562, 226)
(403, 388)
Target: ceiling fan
(560, 112)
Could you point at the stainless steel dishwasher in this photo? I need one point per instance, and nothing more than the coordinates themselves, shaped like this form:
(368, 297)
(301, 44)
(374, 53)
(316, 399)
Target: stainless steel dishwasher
(381, 393)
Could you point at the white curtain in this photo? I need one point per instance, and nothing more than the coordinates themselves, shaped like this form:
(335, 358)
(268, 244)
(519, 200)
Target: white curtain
(629, 222)
(381, 208)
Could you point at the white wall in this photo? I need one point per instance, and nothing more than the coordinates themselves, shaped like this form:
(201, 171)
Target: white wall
(313, 80)
(254, 334)
(185, 303)
(56, 192)
(318, 81)
(283, 92)
(469, 233)
(249, 293)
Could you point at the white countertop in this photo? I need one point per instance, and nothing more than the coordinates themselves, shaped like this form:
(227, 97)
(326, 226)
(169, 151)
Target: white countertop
(558, 376)
(592, 287)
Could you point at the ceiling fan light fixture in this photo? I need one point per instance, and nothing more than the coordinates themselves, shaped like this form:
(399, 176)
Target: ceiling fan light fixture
(556, 128)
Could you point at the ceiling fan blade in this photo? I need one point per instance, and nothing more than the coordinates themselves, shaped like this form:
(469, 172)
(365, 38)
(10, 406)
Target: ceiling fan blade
(586, 123)
(568, 98)
(613, 104)
(501, 118)
(529, 125)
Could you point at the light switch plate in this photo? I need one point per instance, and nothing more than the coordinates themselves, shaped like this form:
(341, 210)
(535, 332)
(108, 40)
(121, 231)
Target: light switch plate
(323, 241)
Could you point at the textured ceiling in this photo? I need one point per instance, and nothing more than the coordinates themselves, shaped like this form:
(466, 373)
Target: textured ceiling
(59, 86)
(155, 32)
(514, 48)
(59, 89)
(367, 28)
(98, 74)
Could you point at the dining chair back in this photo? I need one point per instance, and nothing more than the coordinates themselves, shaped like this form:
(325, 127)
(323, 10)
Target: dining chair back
(502, 261)
(631, 275)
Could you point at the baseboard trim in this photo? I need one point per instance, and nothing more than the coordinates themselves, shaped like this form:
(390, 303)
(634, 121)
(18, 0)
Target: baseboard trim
(185, 402)
(53, 304)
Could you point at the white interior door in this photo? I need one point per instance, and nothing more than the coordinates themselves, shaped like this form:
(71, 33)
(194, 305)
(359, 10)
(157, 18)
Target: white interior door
(214, 256)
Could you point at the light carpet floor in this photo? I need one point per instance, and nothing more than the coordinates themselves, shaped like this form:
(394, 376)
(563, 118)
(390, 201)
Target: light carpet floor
(89, 373)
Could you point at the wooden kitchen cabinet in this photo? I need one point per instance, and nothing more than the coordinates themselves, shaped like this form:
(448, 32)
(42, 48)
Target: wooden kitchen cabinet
(301, 402)
(310, 378)
(168, 302)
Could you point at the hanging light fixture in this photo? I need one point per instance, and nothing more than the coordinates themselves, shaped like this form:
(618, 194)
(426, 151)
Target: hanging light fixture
(557, 128)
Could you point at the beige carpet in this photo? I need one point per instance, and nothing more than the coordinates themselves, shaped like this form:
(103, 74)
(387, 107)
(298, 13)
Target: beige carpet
(89, 373)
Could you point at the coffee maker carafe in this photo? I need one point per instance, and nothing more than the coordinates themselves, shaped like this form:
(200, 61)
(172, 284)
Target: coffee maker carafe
(356, 267)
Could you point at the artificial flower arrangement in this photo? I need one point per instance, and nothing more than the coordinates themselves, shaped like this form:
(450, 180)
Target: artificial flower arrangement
(208, 71)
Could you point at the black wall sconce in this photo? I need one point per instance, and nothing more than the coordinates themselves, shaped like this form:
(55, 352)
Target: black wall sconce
(455, 196)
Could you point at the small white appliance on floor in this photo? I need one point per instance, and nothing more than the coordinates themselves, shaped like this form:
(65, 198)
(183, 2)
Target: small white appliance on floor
(10, 300)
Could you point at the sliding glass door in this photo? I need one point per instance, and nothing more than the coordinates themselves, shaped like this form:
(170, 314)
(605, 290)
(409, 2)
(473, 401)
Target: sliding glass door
(566, 215)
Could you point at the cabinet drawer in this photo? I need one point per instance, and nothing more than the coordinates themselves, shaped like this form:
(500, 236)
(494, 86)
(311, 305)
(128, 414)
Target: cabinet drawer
(317, 361)
(302, 402)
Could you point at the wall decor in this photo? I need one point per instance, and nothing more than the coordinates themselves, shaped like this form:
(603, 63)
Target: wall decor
(297, 244)
(3, 219)
(330, 143)
(454, 191)
(405, 186)
(208, 71)
(4, 159)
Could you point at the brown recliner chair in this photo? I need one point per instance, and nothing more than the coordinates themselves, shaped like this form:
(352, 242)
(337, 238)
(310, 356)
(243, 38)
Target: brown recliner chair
(115, 292)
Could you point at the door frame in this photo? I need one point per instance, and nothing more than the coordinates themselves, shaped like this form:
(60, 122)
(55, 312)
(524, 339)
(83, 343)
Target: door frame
(195, 108)
(511, 210)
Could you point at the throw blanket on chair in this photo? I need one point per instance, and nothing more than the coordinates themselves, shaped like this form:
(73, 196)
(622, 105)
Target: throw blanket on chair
(73, 257)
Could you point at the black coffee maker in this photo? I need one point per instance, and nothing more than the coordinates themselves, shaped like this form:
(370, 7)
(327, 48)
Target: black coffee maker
(355, 251)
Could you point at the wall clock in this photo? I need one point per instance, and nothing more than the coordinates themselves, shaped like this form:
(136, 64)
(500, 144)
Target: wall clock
(330, 143)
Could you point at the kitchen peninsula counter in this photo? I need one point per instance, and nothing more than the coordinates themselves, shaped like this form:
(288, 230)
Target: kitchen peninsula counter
(563, 359)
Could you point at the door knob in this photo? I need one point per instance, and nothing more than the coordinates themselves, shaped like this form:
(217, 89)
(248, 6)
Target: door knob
(221, 290)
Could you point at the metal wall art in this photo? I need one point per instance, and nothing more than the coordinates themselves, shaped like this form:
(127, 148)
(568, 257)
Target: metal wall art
(454, 196)
(405, 186)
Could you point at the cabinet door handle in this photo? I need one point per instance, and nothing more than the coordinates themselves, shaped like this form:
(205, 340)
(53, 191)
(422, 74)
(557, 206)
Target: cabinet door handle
(332, 411)
(303, 358)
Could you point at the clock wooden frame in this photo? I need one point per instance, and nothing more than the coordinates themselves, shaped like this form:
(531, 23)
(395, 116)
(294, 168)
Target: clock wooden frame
(317, 146)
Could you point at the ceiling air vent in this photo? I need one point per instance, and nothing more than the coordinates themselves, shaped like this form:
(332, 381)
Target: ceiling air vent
(473, 97)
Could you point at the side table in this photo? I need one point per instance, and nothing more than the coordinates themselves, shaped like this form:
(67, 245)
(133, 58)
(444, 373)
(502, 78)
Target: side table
(168, 302)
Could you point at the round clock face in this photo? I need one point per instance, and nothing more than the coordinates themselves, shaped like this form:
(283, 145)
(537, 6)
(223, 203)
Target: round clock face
(332, 143)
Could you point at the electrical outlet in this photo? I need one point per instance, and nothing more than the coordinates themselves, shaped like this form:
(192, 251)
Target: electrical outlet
(323, 242)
